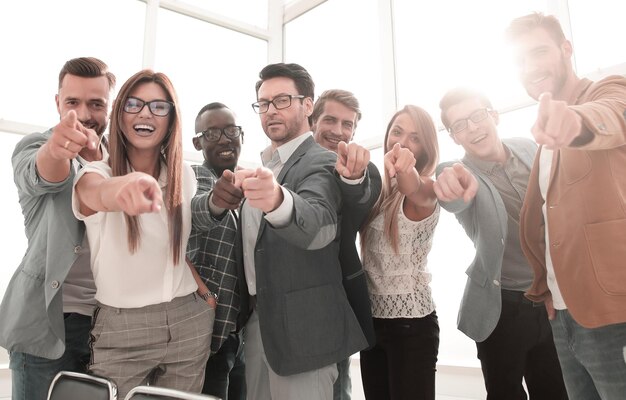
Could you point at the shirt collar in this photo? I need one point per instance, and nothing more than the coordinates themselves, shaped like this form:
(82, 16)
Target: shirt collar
(285, 150)
(487, 167)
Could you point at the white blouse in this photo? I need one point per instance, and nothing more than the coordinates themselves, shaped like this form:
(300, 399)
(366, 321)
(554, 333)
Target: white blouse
(148, 276)
(399, 283)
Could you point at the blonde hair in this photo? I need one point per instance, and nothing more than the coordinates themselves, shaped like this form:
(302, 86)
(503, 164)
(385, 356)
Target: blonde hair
(390, 199)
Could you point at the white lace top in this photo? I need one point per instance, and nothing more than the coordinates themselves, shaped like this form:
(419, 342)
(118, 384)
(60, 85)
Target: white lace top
(399, 283)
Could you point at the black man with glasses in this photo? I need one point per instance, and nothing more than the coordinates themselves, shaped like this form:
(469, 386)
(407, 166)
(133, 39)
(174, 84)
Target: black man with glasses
(219, 139)
(485, 191)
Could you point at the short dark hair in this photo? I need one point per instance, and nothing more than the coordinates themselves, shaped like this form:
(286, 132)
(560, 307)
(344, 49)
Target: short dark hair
(340, 96)
(297, 73)
(87, 67)
(457, 95)
(216, 105)
(522, 25)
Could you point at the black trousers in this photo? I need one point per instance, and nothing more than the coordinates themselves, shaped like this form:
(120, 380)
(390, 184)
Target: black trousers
(402, 363)
(521, 346)
(225, 374)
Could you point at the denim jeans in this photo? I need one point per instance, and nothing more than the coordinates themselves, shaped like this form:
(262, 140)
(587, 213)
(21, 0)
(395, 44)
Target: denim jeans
(342, 389)
(592, 360)
(225, 374)
(32, 375)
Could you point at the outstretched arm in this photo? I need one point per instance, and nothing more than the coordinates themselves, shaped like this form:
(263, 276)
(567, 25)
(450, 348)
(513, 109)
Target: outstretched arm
(135, 193)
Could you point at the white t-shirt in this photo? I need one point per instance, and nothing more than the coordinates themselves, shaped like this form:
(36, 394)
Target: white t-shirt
(148, 276)
(399, 284)
(545, 170)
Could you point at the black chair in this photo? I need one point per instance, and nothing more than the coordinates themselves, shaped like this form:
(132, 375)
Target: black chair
(160, 393)
(68, 385)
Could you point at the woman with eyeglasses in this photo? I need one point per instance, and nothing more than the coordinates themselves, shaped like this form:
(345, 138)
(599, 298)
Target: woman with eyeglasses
(395, 240)
(149, 323)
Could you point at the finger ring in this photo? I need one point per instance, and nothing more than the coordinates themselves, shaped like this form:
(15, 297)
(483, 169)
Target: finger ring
(66, 145)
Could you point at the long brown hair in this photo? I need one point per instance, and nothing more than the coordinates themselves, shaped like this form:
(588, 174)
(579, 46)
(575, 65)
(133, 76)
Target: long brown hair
(171, 156)
(390, 199)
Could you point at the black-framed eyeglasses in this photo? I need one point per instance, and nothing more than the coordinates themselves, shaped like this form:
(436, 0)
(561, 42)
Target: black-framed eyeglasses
(475, 117)
(160, 108)
(279, 102)
(214, 134)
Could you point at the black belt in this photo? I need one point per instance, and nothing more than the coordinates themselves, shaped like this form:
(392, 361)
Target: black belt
(517, 297)
(252, 303)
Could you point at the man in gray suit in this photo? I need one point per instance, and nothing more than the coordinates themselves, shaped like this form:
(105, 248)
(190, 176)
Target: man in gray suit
(301, 323)
(45, 316)
(485, 192)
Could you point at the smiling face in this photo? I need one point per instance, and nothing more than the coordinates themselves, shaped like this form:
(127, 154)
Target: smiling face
(544, 65)
(404, 131)
(479, 139)
(336, 123)
(89, 97)
(281, 126)
(224, 153)
(144, 130)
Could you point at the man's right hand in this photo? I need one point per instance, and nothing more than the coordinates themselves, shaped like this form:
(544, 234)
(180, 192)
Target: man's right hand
(69, 137)
(454, 183)
(227, 191)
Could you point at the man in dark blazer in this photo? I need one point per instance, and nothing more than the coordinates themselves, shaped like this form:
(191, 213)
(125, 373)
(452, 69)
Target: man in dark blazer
(335, 117)
(301, 323)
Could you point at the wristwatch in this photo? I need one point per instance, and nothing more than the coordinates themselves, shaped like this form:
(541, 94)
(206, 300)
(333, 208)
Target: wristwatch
(208, 294)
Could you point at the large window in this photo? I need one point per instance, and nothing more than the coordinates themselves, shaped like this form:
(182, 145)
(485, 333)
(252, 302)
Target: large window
(217, 65)
(39, 36)
(338, 42)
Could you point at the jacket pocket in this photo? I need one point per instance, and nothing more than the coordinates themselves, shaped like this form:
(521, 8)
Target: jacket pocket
(606, 243)
(315, 321)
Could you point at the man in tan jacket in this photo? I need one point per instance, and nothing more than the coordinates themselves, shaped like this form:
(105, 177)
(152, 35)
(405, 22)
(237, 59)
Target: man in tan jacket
(573, 221)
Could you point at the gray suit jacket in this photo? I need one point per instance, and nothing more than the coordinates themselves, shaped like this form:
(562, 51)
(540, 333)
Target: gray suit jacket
(31, 313)
(485, 222)
(305, 319)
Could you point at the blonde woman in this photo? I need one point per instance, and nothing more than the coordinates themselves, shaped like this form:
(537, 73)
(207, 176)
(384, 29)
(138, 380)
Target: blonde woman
(396, 240)
(149, 321)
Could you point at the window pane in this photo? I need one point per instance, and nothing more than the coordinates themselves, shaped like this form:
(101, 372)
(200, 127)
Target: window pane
(220, 65)
(40, 36)
(442, 44)
(250, 11)
(598, 33)
(342, 53)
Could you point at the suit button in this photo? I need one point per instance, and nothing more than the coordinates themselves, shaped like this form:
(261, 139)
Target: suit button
(301, 222)
(556, 244)
(54, 284)
(496, 282)
(77, 249)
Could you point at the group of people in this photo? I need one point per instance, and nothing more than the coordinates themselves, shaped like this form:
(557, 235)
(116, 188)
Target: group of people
(248, 283)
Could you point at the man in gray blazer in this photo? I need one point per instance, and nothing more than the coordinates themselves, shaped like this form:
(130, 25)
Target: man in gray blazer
(485, 191)
(45, 316)
(301, 323)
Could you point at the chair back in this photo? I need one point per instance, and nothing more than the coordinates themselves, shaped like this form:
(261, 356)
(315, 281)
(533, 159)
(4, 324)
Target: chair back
(68, 385)
(160, 393)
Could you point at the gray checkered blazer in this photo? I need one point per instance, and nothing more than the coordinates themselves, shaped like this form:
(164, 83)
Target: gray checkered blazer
(213, 255)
